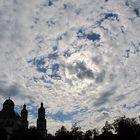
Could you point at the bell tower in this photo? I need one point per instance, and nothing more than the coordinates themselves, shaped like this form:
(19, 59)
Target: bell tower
(41, 121)
(24, 116)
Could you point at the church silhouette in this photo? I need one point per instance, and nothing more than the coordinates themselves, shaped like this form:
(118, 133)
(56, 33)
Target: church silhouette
(11, 121)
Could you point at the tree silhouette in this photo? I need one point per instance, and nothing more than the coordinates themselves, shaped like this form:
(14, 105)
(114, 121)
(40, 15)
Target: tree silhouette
(126, 128)
(76, 132)
(62, 134)
(88, 135)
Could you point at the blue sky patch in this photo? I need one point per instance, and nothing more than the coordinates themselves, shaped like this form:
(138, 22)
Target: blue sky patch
(90, 36)
(62, 117)
(53, 55)
(107, 16)
(111, 16)
(55, 72)
(137, 12)
(67, 53)
(39, 63)
(93, 36)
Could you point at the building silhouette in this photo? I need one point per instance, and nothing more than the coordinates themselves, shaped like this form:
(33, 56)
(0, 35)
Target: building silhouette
(41, 120)
(11, 121)
(24, 116)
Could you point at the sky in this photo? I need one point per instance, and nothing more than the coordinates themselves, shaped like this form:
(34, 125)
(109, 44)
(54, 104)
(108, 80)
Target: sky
(81, 58)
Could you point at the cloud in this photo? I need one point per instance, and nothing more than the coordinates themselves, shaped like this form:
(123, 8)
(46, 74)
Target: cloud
(13, 90)
(72, 56)
(100, 77)
(81, 71)
(8, 91)
(104, 98)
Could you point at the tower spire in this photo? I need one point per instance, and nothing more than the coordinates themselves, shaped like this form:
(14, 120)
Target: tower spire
(41, 121)
(24, 116)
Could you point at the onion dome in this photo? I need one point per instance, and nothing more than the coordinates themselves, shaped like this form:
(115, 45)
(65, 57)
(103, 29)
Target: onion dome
(8, 105)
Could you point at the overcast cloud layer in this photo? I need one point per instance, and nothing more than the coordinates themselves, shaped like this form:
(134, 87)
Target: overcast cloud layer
(80, 57)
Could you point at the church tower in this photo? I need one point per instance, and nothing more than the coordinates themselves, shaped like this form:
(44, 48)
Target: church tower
(24, 116)
(41, 121)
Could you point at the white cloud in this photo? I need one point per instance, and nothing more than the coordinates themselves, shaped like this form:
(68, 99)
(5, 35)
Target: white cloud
(43, 58)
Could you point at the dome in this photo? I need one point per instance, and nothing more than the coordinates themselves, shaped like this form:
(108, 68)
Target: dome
(9, 102)
(8, 105)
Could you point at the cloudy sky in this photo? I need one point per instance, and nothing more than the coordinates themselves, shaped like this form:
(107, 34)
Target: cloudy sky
(81, 58)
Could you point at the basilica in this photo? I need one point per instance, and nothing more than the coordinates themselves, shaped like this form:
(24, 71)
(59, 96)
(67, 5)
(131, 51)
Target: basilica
(11, 121)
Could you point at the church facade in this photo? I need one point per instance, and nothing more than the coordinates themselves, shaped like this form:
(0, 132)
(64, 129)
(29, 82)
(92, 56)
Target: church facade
(11, 121)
